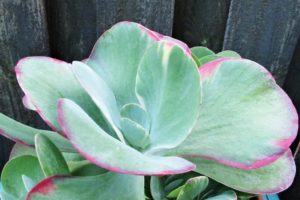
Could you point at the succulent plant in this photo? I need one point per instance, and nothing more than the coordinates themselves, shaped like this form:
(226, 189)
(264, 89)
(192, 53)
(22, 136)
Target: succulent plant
(144, 104)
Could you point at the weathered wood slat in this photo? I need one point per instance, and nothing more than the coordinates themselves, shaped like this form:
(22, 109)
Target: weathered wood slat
(75, 25)
(23, 32)
(292, 87)
(264, 31)
(201, 23)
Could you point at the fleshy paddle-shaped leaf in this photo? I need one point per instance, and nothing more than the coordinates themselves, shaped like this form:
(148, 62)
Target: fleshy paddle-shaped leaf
(246, 120)
(28, 182)
(51, 160)
(137, 114)
(20, 150)
(135, 134)
(44, 80)
(168, 86)
(109, 153)
(100, 93)
(272, 178)
(135, 123)
(24, 134)
(199, 52)
(157, 188)
(109, 186)
(12, 173)
(6, 196)
(203, 55)
(193, 187)
(117, 55)
(228, 53)
(85, 168)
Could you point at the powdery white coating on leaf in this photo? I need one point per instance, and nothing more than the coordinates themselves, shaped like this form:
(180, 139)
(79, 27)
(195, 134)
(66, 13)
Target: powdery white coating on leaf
(272, 178)
(167, 82)
(109, 153)
(246, 121)
(27, 103)
(31, 104)
(44, 80)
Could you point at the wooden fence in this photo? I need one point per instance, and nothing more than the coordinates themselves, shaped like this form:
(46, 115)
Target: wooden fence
(266, 31)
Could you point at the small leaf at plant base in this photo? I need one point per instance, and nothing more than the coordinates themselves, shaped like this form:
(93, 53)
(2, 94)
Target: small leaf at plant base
(51, 160)
(157, 188)
(168, 82)
(28, 182)
(11, 176)
(226, 195)
(108, 186)
(184, 177)
(193, 187)
(173, 185)
(24, 134)
(174, 193)
(108, 152)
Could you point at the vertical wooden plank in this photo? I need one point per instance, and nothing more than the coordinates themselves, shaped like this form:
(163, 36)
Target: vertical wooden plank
(264, 31)
(201, 23)
(23, 32)
(292, 87)
(75, 25)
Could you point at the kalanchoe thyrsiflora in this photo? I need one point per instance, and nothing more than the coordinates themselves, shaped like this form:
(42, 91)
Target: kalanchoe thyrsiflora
(139, 105)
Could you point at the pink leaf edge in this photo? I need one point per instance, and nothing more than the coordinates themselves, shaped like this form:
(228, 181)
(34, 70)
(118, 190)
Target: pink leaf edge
(153, 35)
(96, 161)
(45, 187)
(287, 181)
(2, 132)
(27, 99)
(206, 72)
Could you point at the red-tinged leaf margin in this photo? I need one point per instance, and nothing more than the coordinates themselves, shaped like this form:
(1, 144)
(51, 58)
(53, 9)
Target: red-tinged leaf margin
(281, 179)
(206, 71)
(152, 34)
(118, 169)
(27, 99)
(44, 187)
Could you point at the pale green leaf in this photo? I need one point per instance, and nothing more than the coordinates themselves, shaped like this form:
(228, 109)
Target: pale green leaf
(51, 160)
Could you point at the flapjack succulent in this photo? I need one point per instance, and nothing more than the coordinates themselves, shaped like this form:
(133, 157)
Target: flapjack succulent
(144, 104)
